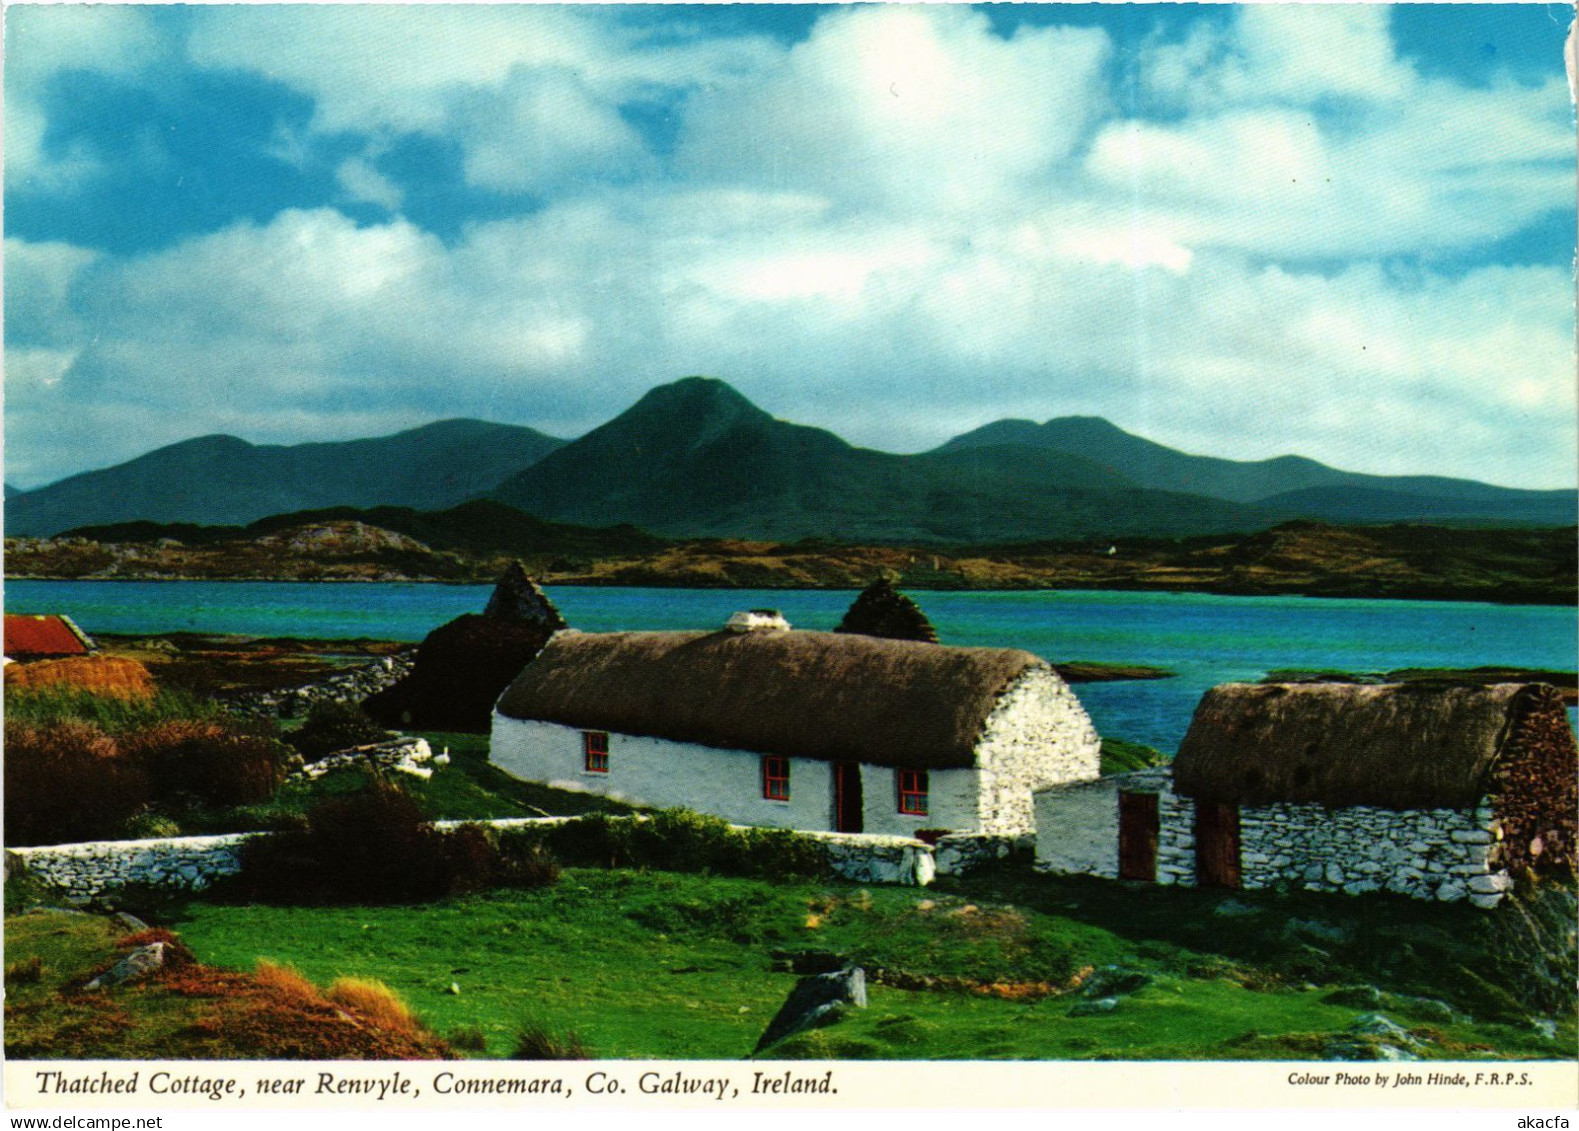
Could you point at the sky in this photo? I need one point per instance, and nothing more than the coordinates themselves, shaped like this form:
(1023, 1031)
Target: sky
(1342, 231)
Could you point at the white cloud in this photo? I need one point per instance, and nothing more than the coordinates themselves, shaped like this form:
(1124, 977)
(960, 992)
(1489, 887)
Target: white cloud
(903, 226)
(532, 93)
(903, 106)
(44, 43)
(1286, 53)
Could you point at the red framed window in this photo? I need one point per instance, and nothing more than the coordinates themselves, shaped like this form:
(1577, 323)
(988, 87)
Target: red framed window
(775, 778)
(596, 744)
(913, 792)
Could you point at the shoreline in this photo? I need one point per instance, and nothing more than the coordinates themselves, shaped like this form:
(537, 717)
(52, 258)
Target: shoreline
(1411, 594)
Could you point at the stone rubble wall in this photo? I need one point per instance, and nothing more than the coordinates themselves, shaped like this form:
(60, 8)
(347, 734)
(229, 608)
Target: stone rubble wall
(1440, 854)
(959, 853)
(99, 868)
(350, 686)
(1038, 735)
(1435, 854)
(96, 868)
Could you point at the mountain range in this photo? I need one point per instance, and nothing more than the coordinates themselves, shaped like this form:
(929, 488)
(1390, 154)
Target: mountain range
(695, 458)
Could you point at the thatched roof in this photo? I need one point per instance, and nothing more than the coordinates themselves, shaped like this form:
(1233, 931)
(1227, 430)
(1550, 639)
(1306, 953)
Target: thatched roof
(1398, 746)
(803, 694)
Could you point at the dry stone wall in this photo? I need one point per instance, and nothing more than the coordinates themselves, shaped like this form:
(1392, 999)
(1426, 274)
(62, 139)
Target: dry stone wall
(98, 869)
(1441, 854)
(1038, 735)
(350, 687)
(1436, 854)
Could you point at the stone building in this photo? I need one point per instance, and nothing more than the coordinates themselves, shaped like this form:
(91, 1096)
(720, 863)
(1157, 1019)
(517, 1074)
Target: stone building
(1426, 790)
(765, 725)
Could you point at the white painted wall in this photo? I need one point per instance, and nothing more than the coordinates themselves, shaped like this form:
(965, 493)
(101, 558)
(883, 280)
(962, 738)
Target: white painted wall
(951, 802)
(725, 783)
(655, 771)
(1077, 828)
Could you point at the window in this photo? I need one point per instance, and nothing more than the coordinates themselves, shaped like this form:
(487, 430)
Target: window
(913, 792)
(775, 778)
(596, 743)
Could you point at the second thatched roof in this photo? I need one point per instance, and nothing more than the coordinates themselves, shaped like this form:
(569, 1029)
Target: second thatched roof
(1397, 746)
(802, 694)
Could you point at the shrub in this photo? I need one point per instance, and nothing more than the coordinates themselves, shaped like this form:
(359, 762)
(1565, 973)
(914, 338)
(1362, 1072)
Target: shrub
(684, 841)
(470, 859)
(215, 763)
(373, 846)
(375, 1001)
(148, 825)
(333, 726)
(526, 866)
(67, 781)
(469, 1038)
(533, 1042)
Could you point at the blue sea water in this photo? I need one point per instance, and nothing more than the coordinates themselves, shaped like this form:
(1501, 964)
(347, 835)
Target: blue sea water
(1205, 639)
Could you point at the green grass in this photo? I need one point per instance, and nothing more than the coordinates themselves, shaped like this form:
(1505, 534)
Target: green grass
(669, 965)
(1120, 757)
(44, 706)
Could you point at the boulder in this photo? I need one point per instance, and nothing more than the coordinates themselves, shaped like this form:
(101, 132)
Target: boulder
(816, 1000)
(1092, 1008)
(140, 963)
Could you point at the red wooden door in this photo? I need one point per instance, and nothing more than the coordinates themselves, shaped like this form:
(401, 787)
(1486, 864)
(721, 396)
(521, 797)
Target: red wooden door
(1138, 826)
(849, 809)
(1216, 845)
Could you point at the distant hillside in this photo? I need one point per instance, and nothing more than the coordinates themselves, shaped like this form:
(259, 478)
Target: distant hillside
(1288, 486)
(221, 480)
(695, 458)
(481, 527)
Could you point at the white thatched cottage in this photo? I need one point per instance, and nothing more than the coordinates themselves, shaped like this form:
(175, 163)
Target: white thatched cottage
(763, 725)
(1427, 790)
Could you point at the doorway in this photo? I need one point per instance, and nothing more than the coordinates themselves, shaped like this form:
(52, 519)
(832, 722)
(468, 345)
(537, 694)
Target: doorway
(1138, 826)
(1216, 845)
(848, 806)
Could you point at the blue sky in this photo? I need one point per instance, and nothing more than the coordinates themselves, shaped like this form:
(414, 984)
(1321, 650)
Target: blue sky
(1344, 231)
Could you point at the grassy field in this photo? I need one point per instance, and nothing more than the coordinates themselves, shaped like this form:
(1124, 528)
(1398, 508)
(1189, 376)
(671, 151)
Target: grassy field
(655, 964)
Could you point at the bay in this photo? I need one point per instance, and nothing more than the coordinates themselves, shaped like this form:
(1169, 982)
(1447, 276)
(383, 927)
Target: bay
(1205, 639)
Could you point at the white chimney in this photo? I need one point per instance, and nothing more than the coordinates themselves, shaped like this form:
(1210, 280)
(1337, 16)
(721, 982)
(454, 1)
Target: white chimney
(757, 620)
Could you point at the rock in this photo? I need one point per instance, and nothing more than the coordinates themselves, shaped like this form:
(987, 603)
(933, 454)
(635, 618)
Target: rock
(1092, 1008)
(1234, 909)
(1494, 884)
(1355, 997)
(1545, 1027)
(1114, 982)
(1485, 902)
(139, 963)
(1380, 1025)
(1451, 890)
(1427, 1008)
(130, 922)
(816, 1000)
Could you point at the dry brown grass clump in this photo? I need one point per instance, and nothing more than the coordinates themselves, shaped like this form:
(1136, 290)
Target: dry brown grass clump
(111, 676)
(375, 1001)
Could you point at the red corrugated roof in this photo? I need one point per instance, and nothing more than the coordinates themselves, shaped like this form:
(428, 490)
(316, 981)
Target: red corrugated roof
(28, 635)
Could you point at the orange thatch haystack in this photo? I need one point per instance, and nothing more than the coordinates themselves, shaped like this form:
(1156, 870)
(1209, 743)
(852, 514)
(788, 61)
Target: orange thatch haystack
(102, 675)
